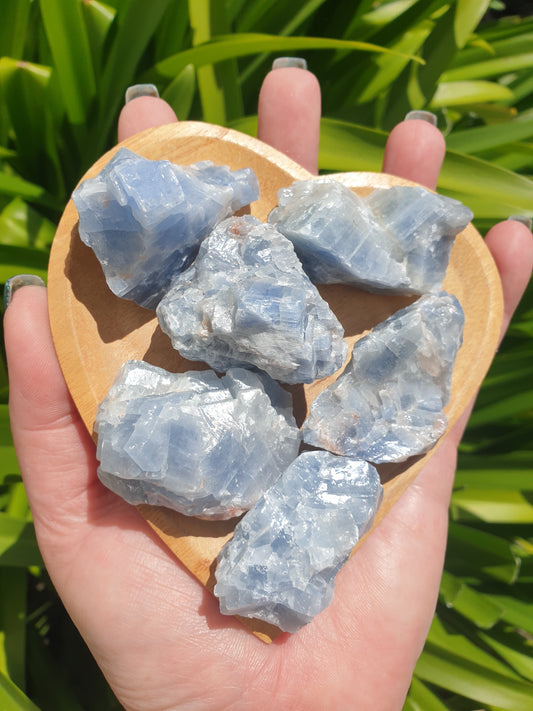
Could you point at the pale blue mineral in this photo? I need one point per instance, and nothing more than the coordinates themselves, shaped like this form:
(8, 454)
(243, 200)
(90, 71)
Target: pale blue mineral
(388, 403)
(281, 563)
(396, 239)
(145, 219)
(246, 301)
(196, 443)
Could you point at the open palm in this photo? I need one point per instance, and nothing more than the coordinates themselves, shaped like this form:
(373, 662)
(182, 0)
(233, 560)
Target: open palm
(155, 632)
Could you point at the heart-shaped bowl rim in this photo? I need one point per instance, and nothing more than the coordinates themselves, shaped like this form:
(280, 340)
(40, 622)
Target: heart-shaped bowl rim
(95, 332)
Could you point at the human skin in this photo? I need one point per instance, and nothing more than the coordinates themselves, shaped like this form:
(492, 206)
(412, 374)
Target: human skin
(154, 630)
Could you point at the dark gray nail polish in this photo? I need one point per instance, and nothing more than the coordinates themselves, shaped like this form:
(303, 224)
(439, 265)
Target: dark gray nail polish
(422, 116)
(16, 282)
(133, 92)
(282, 62)
(527, 221)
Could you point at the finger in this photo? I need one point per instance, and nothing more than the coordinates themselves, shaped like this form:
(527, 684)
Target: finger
(143, 109)
(289, 112)
(511, 245)
(55, 452)
(415, 150)
(399, 567)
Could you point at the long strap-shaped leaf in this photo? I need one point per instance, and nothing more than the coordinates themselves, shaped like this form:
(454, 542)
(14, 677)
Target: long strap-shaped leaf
(12, 698)
(239, 45)
(485, 138)
(218, 84)
(462, 676)
(15, 15)
(67, 36)
(133, 27)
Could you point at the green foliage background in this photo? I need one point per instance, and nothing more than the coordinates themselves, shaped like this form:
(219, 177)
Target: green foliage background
(64, 67)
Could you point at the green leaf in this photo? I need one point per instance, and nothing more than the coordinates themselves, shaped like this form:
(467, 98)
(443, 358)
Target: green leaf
(346, 147)
(240, 45)
(468, 93)
(471, 552)
(287, 24)
(132, 30)
(493, 506)
(468, 14)
(51, 681)
(26, 94)
(417, 85)
(385, 69)
(484, 209)
(69, 43)
(173, 32)
(485, 138)
(18, 546)
(17, 505)
(489, 68)
(420, 698)
(516, 612)
(13, 625)
(468, 175)
(98, 19)
(513, 470)
(12, 698)
(385, 13)
(478, 608)
(507, 407)
(450, 632)
(465, 677)
(8, 458)
(15, 15)
(180, 92)
(15, 186)
(218, 85)
(21, 225)
(22, 260)
(513, 648)
(275, 16)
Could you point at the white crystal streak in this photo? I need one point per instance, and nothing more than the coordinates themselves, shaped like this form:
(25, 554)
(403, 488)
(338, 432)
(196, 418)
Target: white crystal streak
(281, 563)
(145, 219)
(388, 403)
(202, 445)
(396, 239)
(246, 301)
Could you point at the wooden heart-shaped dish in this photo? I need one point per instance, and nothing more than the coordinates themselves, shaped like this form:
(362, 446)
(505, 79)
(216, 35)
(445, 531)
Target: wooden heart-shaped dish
(95, 332)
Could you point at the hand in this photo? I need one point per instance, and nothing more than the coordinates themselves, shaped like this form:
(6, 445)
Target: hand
(155, 632)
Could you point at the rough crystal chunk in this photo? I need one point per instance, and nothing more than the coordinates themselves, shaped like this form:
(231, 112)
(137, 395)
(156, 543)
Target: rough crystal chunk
(388, 403)
(247, 301)
(281, 563)
(144, 219)
(202, 445)
(396, 239)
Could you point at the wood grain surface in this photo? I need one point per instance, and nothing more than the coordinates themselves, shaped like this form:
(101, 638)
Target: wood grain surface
(95, 332)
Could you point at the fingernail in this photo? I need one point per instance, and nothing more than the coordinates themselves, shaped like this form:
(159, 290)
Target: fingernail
(422, 116)
(523, 219)
(133, 92)
(282, 62)
(16, 282)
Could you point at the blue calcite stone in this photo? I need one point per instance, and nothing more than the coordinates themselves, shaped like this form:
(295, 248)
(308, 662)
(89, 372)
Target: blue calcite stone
(246, 301)
(145, 219)
(388, 403)
(396, 239)
(281, 563)
(196, 443)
